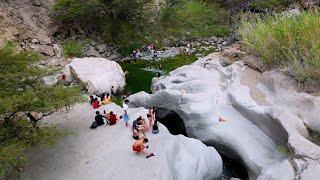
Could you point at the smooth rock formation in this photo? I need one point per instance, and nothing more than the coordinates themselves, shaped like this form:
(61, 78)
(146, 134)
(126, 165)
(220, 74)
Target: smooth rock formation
(263, 116)
(97, 75)
(105, 153)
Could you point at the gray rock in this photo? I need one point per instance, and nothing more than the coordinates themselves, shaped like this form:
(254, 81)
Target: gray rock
(102, 48)
(36, 3)
(48, 51)
(92, 52)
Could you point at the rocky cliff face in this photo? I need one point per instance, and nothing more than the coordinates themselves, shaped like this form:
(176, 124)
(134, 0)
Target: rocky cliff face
(266, 118)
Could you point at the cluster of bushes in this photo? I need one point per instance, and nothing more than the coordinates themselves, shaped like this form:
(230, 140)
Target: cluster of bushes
(133, 23)
(290, 42)
(22, 90)
(259, 5)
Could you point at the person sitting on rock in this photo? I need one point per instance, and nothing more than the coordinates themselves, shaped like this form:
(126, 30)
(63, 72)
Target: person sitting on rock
(112, 118)
(99, 119)
(139, 146)
(151, 121)
(135, 128)
(155, 128)
(144, 127)
(96, 104)
(112, 91)
(91, 99)
(107, 99)
(222, 119)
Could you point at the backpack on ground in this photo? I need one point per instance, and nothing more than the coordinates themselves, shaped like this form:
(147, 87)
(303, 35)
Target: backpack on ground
(94, 125)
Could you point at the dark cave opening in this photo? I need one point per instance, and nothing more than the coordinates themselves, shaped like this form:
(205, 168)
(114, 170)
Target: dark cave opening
(175, 125)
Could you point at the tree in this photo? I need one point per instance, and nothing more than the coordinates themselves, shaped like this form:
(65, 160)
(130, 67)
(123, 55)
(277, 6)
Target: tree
(22, 90)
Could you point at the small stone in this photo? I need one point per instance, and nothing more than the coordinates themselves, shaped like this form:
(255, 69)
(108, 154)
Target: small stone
(35, 41)
(36, 2)
(102, 48)
(48, 51)
(92, 52)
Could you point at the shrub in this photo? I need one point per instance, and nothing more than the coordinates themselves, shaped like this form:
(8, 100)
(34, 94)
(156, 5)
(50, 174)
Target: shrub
(73, 48)
(291, 42)
(22, 90)
(194, 19)
(16, 137)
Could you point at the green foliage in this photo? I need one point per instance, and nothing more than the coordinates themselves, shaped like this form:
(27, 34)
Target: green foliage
(77, 11)
(140, 80)
(22, 90)
(15, 137)
(73, 48)
(194, 19)
(283, 150)
(134, 23)
(269, 4)
(291, 42)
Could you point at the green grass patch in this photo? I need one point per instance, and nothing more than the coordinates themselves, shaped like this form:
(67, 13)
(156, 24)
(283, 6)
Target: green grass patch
(138, 79)
(291, 43)
(73, 48)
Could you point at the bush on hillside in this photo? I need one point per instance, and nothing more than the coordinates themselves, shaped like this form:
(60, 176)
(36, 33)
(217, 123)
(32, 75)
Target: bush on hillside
(134, 23)
(72, 48)
(291, 42)
(192, 19)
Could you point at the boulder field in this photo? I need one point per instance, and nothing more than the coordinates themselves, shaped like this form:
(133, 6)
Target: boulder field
(106, 152)
(267, 119)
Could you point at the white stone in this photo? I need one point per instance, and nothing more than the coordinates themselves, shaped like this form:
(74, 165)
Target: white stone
(97, 75)
(106, 153)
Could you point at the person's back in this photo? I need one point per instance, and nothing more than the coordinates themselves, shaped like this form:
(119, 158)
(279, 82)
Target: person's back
(99, 119)
(112, 119)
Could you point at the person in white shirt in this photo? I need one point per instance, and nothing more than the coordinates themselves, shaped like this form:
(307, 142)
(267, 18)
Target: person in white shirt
(125, 109)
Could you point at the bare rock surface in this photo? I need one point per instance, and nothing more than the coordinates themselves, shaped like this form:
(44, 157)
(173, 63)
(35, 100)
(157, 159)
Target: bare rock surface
(105, 153)
(97, 75)
(267, 120)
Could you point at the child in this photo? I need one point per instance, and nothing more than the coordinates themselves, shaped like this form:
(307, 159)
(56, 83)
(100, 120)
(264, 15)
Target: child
(125, 109)
(139, 146)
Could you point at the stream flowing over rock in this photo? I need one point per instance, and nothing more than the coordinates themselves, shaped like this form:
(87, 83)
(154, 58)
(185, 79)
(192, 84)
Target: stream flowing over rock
(97, 75)
(265, 119)
(105, 153)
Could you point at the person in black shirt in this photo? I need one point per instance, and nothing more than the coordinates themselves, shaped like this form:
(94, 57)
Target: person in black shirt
(99, 118)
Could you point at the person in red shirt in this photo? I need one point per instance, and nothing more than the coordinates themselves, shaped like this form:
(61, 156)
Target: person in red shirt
(112, 118)
(95, 103)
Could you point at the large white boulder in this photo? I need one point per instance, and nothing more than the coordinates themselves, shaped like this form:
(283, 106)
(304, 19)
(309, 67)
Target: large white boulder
(105, 153)
(97, 75)
(264, 117)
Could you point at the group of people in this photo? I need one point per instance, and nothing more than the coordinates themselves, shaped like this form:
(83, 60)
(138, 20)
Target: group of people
(139, 126)
(139, 129)
(105, 99)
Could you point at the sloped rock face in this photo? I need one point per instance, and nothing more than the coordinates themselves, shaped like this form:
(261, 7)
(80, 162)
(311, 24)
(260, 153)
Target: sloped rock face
(262, 116)
(105, 153)
(97, 75)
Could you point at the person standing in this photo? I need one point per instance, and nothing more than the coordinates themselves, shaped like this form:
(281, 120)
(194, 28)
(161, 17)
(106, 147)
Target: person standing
(125, 109)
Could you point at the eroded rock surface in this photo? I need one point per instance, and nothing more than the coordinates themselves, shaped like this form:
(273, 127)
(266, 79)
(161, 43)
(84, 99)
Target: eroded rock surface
(265, 117)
